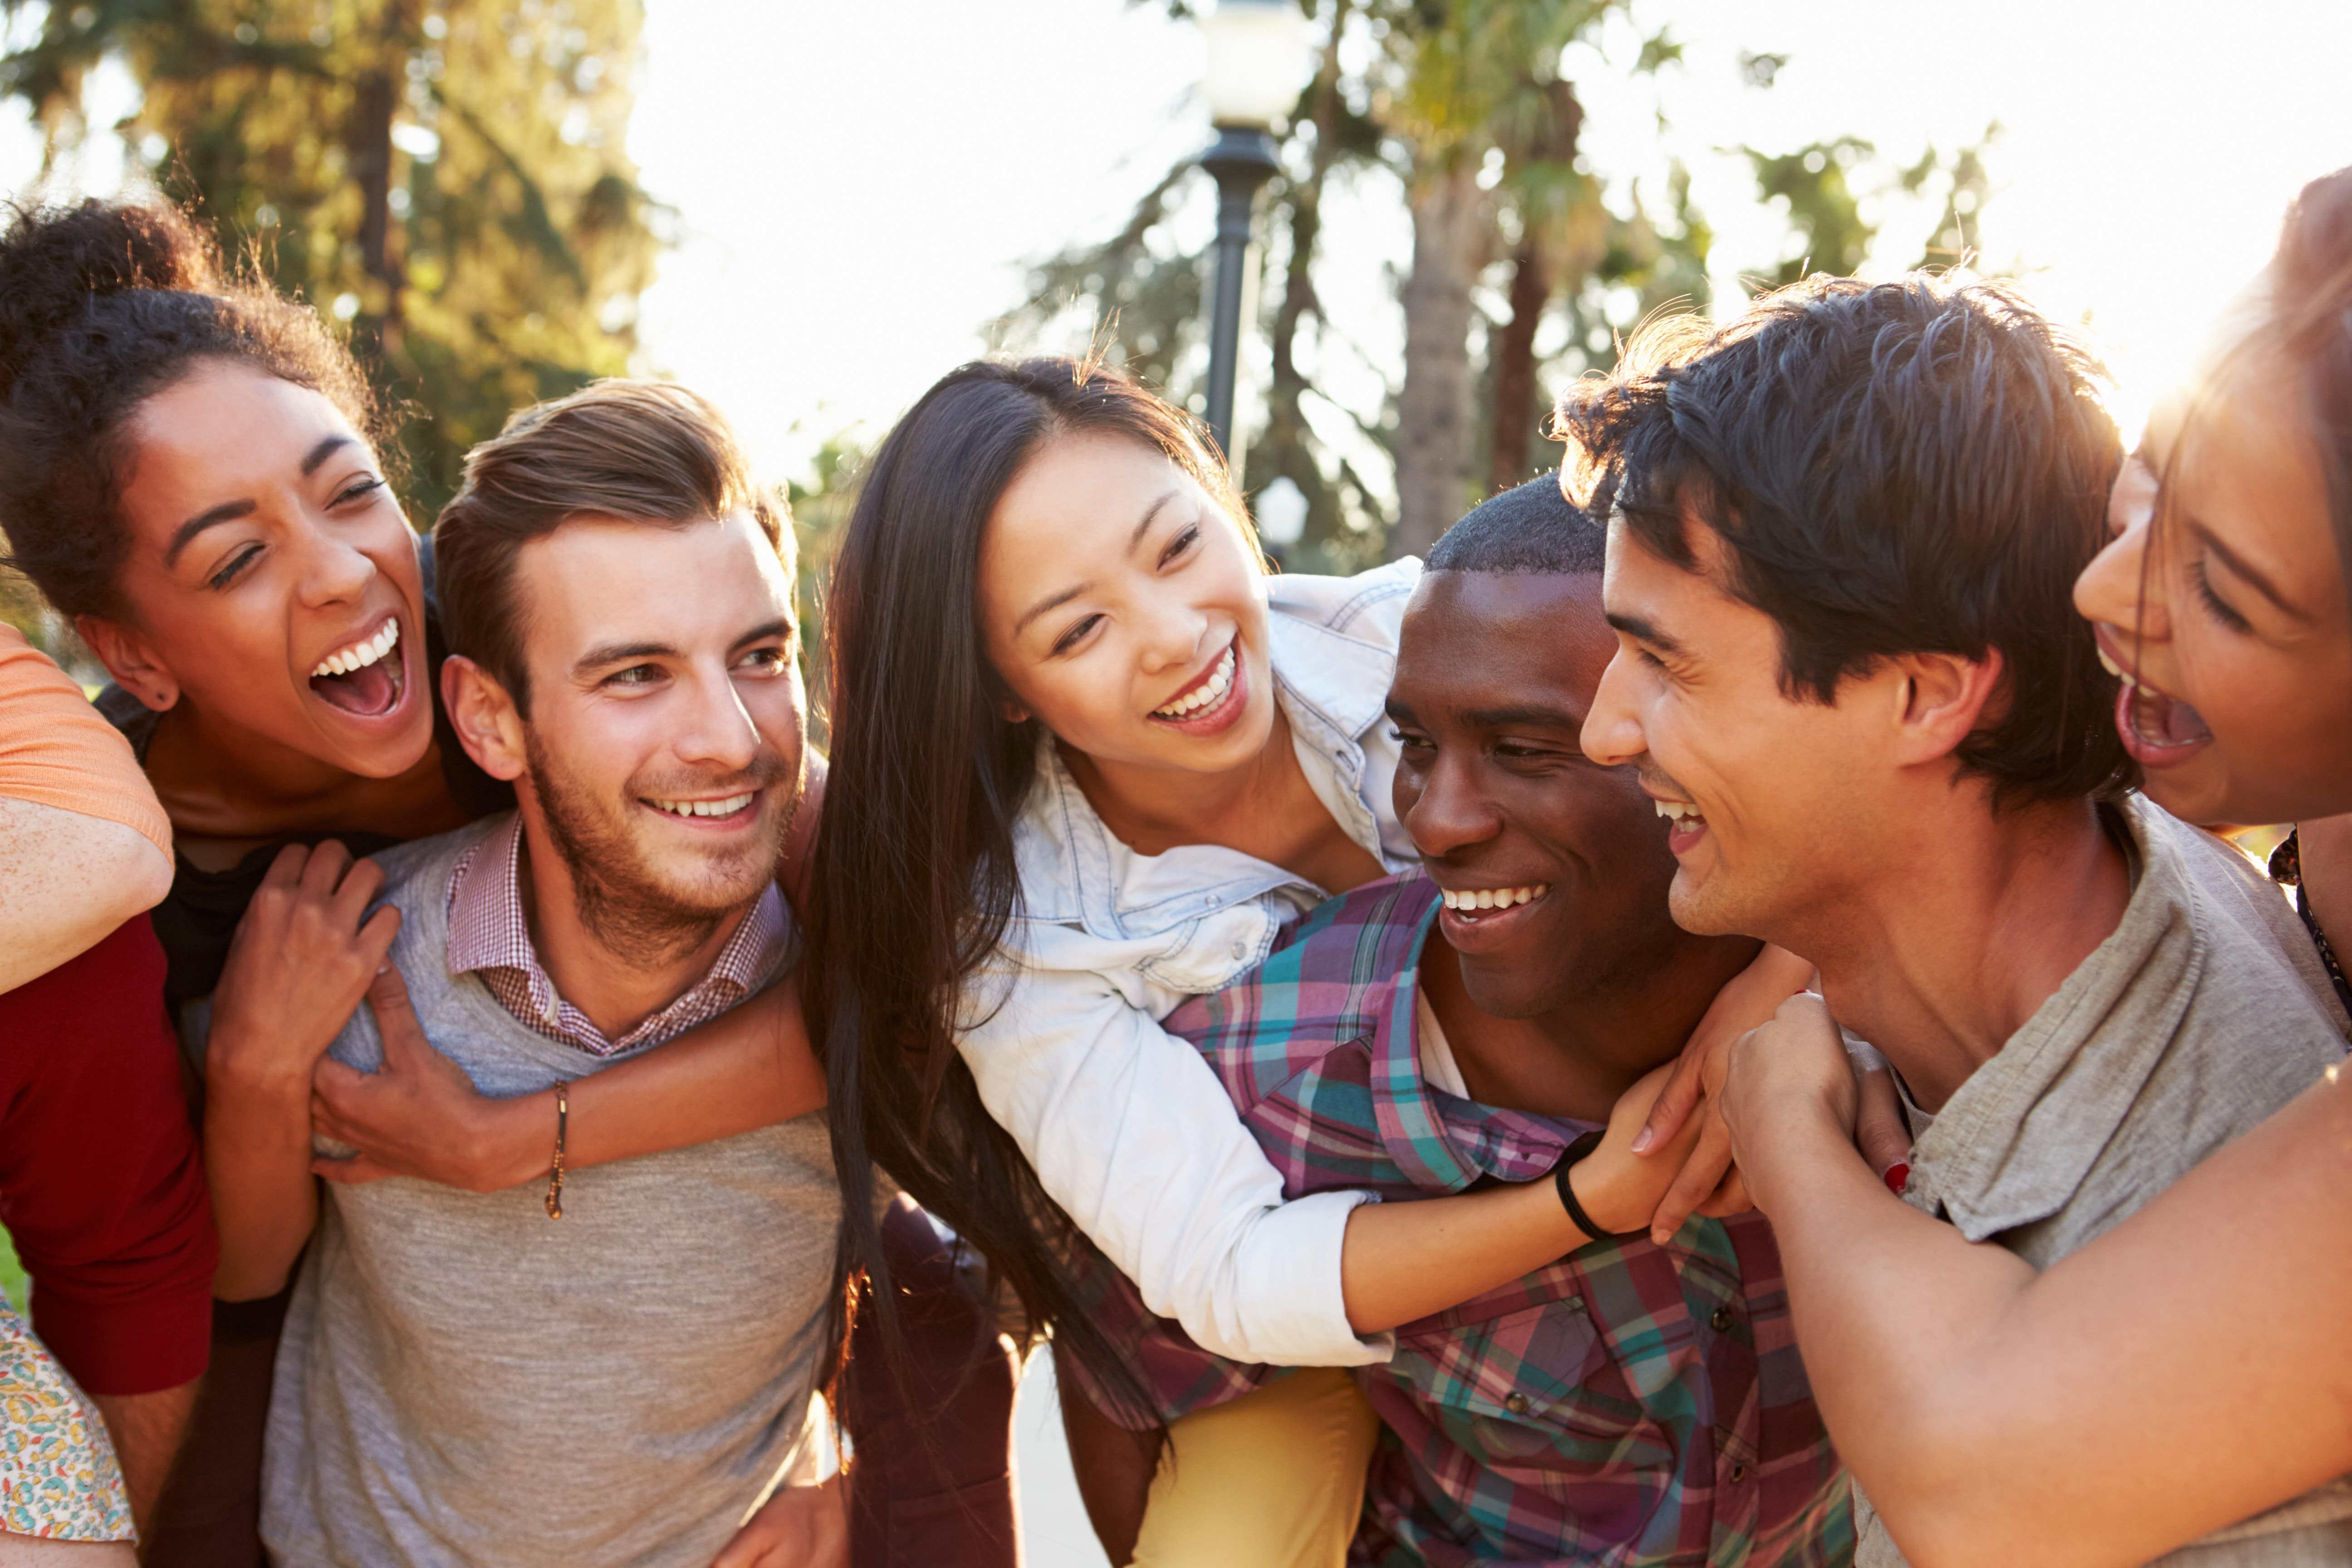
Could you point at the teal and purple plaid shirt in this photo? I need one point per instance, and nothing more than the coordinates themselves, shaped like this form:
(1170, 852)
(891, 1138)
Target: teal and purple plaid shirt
(1629, 1405)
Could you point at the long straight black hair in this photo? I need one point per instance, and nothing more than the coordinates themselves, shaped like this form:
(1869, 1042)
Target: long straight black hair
(915, 877)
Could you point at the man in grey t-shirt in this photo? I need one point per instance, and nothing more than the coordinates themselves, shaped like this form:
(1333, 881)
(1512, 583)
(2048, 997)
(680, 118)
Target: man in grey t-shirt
(1846, 532)
(619, 1368)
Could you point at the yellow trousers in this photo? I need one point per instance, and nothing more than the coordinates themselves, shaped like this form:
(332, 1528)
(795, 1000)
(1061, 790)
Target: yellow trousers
(1273, 1480)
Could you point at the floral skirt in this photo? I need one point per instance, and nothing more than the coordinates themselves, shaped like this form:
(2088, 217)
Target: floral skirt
(59, 1480)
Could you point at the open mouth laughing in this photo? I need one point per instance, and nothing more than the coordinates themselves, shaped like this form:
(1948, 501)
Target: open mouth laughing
(366, 679)
(1684, 825)
(2158, 728)
(1210, 700)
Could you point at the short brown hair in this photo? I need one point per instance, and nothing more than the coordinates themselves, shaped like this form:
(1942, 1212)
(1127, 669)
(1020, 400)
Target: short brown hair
(643, 451)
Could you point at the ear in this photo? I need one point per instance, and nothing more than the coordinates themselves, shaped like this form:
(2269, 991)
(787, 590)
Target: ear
(133, 662)
(484, 716)
(1940, 700)
(1014, 713)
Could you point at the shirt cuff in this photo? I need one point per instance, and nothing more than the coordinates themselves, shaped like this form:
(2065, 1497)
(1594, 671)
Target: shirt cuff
(128, 1347)
(1294, 1311)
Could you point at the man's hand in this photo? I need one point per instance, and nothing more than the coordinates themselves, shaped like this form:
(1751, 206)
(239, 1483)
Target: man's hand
(297, 966)
(1708, 1183)
(418, 1115)
(800, 1527)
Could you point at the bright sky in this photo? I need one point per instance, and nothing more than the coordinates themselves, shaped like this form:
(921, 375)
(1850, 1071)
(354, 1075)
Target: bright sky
(859, 184)
(859, 187)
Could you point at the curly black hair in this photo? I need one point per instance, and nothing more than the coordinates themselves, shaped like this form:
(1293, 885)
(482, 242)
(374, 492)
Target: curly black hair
(103, 305)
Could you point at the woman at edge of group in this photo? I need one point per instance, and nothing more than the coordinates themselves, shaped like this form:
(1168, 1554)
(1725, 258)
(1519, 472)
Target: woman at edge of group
(1071, 786)
(140, 492)
(2192, 1368)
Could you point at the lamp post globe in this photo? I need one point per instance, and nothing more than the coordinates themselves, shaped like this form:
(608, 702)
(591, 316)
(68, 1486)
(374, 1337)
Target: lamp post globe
(1256, 62)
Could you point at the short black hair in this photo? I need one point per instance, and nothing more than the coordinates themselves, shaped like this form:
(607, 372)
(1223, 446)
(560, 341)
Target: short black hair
(1534, 528)
(1919, 465)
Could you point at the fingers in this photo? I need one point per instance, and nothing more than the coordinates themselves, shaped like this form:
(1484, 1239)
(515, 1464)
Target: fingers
(362, 881)
(1731, 1198)
(354, 1172)
(395, 1018)
(1697, 1182)
(1674, 1102)
(286, 866)
(328, 859)
(1878, 1129)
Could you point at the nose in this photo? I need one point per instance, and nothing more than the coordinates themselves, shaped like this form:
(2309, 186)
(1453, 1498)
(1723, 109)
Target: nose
(2120, 587)
(714, 729)
(1612, 732)
(334, 572)
(1453, 811)
(1169, 633)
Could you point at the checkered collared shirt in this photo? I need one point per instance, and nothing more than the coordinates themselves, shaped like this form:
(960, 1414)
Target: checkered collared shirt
(488, 935)
(1629, 1405)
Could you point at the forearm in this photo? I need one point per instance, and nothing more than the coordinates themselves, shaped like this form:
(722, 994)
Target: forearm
(257, 1165)
(749, 1068)
(1403, 1261)
(65, 882)
(147, 1430)
(2182, 1372)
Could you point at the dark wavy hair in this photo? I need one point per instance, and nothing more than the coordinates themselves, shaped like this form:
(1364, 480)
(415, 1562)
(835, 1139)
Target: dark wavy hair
(914, 873)
(1913, 466)
(103, 305)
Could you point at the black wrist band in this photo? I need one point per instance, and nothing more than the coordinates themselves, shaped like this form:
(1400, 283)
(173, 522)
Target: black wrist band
(1578, 1150)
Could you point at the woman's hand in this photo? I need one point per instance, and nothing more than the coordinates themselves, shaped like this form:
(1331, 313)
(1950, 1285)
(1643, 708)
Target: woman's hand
(419, 1115)
(800, 1527)
(1708, 1183)
(1790, 1083)
(297, 968)
(1619, 1188)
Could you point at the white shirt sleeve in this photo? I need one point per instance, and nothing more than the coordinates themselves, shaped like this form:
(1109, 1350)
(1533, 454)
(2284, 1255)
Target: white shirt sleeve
(1131, 1132)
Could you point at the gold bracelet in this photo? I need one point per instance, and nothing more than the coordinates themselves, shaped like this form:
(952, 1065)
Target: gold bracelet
(555, 1185)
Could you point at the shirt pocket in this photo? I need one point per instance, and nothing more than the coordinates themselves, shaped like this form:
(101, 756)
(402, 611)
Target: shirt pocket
(1533, 1390)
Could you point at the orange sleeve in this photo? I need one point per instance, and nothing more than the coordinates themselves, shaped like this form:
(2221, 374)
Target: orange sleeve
(57, 750)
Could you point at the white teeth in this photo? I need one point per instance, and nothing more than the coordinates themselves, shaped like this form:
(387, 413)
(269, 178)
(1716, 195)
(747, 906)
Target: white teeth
(1472, 900)
(360, 654)
(1220, 681)
(1678, 810)
(727, 807)
(2110, 665)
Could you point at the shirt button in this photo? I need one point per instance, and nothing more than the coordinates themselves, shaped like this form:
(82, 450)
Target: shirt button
(1739, 1474)
(1516, 1404)
(1241, 950)
(1720, 1320)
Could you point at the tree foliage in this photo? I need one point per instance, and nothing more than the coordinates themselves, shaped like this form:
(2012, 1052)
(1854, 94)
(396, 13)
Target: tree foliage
(449, 176)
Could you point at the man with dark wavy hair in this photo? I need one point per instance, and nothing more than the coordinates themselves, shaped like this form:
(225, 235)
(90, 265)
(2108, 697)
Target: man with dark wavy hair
(1843, 535)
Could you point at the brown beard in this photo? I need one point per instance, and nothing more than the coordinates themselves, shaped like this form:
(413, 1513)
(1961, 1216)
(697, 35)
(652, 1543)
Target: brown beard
(628, 908)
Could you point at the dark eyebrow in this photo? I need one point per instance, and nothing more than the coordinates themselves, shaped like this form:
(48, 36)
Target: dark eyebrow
(321, 452)
(1144, 526)
(620, 653)
(1526, 714)
(781, 627)
(1052, 601)
(2239, 568)
(1636, 627)
(182, 536)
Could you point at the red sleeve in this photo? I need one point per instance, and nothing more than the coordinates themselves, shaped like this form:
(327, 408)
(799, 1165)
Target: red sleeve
(100, 1185)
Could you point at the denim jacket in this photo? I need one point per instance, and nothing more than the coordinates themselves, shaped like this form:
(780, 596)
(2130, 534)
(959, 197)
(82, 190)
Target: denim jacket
(1125, 1124)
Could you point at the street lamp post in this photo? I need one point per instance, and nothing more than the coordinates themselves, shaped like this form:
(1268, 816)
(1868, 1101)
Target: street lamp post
(1255, 62)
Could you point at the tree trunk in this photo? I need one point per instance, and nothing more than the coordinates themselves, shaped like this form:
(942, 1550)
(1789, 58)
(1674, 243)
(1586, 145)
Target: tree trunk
(1514, 359)
(1283, 447)
(1437, 411)
(374, 103)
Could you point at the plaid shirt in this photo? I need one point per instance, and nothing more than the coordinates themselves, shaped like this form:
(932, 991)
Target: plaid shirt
(487, 933)
(1628, 1404)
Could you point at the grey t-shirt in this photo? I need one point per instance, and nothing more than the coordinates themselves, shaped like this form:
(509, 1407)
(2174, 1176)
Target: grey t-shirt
(463, 1380)
(2205, 1012)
